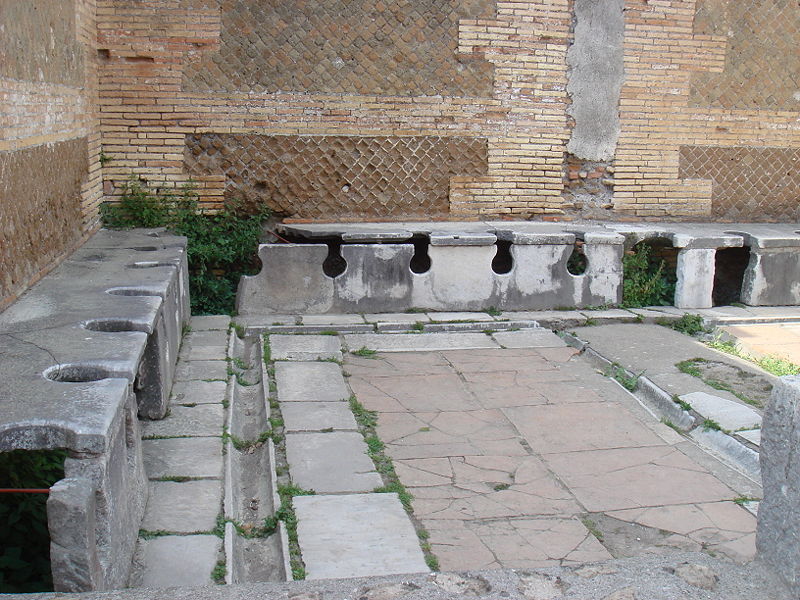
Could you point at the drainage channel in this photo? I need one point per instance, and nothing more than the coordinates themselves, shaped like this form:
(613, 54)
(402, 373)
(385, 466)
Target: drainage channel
(256, 547)
(303, 498)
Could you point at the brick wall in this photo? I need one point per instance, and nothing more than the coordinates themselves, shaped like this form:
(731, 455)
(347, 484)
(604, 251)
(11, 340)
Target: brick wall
(326, 109)
(701, 77)
(50, 180)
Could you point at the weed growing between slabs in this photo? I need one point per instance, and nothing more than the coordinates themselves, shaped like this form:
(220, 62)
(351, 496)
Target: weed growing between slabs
(367, 421)
(629, 382)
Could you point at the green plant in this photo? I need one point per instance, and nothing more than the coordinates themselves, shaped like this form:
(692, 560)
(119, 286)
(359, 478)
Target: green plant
(629, 382)
(25, 549)
(644, 280)
(742, 500)
(682, 403)
(671, 425)
(688, 324)
(493, 312)
(137, 207)
(267, 352)
(364, 352)
(246, 445)
(104, 158)
(593, 528)
(366, 419)
(149, 535)
(501, 486)
(219, 572)
(710, 424)
(221, 245)
(418, 326)
(329, 332)
(287, 514)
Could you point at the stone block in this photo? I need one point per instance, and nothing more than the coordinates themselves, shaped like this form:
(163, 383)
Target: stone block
(730, 415)
(286, 269)
(204, 370)
(183, 457)
(771, 277)
(176, 561)
(359, 535)
(73, 545)
(305, 347)
(778, 535)
(538, 278)
(377, 277)
(412, 342)
(695, 278)
(310, 382)
(317, 416)
(203, 420)
(535, 338)
(198, 392)
(210, 323)
(460, 278)
(187, 507)
(331, 462)
(602, 282)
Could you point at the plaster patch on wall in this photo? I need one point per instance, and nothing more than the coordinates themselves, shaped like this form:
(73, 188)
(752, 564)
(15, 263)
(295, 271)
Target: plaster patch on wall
(596, 73)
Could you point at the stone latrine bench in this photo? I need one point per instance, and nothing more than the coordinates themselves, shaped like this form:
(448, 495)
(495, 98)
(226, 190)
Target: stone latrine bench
(385, 267)
(84, 352)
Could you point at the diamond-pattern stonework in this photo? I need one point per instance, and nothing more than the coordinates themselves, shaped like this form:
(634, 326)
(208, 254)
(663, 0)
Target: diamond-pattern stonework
(338, 176)
(398, 48)
(748, 182)
(761, 60)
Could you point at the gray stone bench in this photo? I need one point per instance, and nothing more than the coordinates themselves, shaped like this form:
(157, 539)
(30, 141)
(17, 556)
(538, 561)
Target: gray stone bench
(82, 353)
(378, 275)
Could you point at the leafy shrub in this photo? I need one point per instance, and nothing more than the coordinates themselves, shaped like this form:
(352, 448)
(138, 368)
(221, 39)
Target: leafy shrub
(644, 279)
(222, 245)
(689, 324)
(25, 548)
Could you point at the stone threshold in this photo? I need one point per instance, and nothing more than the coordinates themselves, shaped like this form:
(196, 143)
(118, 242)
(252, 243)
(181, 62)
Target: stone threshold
(430, 321)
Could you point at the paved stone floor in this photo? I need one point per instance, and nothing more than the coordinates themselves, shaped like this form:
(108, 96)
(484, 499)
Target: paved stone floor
(523, 456)
(184, 463)
(773, 339)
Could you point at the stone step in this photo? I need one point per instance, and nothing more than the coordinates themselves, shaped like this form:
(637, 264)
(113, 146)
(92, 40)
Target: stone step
(186, 507)
(305, 347)
(729, 415)
(175, 560)
(331, 463)
(310, 381)
(317, 416)
(410, 342)
(358, 535)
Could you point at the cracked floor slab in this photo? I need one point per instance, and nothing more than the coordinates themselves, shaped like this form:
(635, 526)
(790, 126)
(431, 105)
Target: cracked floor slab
(508, 452)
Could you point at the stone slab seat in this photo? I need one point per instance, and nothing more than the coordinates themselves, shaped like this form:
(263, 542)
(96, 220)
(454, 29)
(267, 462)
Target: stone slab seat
(135, 238)
(81, 352)
(104, 289)
(95, 511)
